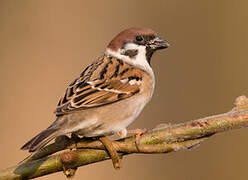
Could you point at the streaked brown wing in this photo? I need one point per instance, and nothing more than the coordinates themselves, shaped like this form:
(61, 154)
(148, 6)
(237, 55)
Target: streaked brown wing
(106, 81)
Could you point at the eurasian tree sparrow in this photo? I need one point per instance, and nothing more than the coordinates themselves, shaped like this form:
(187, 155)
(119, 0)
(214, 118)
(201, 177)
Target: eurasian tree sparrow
(110, 93)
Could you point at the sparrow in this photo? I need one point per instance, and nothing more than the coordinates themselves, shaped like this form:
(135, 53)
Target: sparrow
(110, 93)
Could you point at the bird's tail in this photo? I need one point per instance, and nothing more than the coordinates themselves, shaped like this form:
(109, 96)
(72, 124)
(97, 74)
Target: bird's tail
(41, 139)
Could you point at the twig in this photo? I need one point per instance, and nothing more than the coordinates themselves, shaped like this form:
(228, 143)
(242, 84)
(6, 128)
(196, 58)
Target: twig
(163, 139)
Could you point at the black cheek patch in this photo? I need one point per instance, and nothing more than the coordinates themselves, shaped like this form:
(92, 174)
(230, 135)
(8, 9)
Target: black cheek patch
(131, 53)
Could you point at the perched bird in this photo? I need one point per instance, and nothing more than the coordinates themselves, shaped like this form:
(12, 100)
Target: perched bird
(110, 93)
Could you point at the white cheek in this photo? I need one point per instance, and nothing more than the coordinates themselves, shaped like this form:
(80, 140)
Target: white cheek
(139, 60)
(124, 81)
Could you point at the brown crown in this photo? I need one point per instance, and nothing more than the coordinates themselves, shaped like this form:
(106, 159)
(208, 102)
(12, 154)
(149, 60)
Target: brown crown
(128, 35)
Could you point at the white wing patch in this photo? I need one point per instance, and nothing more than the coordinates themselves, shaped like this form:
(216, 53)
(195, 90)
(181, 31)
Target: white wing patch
(124, 81)
(134, 82)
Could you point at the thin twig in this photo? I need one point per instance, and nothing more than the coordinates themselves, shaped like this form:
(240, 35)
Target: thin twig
(163, 139)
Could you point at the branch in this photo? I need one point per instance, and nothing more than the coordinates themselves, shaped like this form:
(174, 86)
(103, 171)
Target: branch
(162, 139)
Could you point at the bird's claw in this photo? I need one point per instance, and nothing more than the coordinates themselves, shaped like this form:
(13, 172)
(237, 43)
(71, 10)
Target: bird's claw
(112, 152)
(138, 133)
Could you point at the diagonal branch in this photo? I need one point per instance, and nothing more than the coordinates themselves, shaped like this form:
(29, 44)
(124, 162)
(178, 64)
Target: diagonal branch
(162, 139)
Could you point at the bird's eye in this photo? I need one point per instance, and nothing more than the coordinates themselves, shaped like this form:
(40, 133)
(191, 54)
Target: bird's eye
(139, 38)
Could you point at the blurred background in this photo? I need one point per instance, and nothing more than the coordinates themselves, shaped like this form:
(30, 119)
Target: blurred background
(45, 44)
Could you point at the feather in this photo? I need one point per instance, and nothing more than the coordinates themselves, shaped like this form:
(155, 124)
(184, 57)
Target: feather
(105, 81)
(40, 140)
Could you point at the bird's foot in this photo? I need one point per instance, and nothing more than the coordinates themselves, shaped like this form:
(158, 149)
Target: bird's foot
(138, 133)
(108, 144)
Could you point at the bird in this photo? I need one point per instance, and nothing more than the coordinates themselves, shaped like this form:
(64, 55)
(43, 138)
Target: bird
(110, 93)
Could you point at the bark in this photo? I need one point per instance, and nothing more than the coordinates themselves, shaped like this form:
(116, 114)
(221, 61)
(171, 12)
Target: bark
(164, 138)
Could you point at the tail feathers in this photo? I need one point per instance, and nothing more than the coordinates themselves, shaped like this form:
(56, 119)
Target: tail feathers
(40, 140)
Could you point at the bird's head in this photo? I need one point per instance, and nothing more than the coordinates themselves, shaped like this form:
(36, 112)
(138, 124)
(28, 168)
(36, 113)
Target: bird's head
(136, 45)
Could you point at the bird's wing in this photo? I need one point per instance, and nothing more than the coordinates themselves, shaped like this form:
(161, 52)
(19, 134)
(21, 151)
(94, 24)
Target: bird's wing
(105, 81)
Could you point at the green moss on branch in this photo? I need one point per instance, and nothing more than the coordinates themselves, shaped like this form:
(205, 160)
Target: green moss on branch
(163, 139)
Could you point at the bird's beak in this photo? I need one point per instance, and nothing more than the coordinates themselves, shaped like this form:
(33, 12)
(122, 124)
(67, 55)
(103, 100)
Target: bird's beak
(159, 43)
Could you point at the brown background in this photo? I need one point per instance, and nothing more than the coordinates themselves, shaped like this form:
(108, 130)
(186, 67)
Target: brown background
(45, 44)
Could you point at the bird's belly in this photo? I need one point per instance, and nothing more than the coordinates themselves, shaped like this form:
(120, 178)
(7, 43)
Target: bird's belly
(112, 118)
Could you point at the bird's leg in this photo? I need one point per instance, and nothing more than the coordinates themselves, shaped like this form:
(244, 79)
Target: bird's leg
(112, 151)
(75, 138)
(122, 133)
(138, 133)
